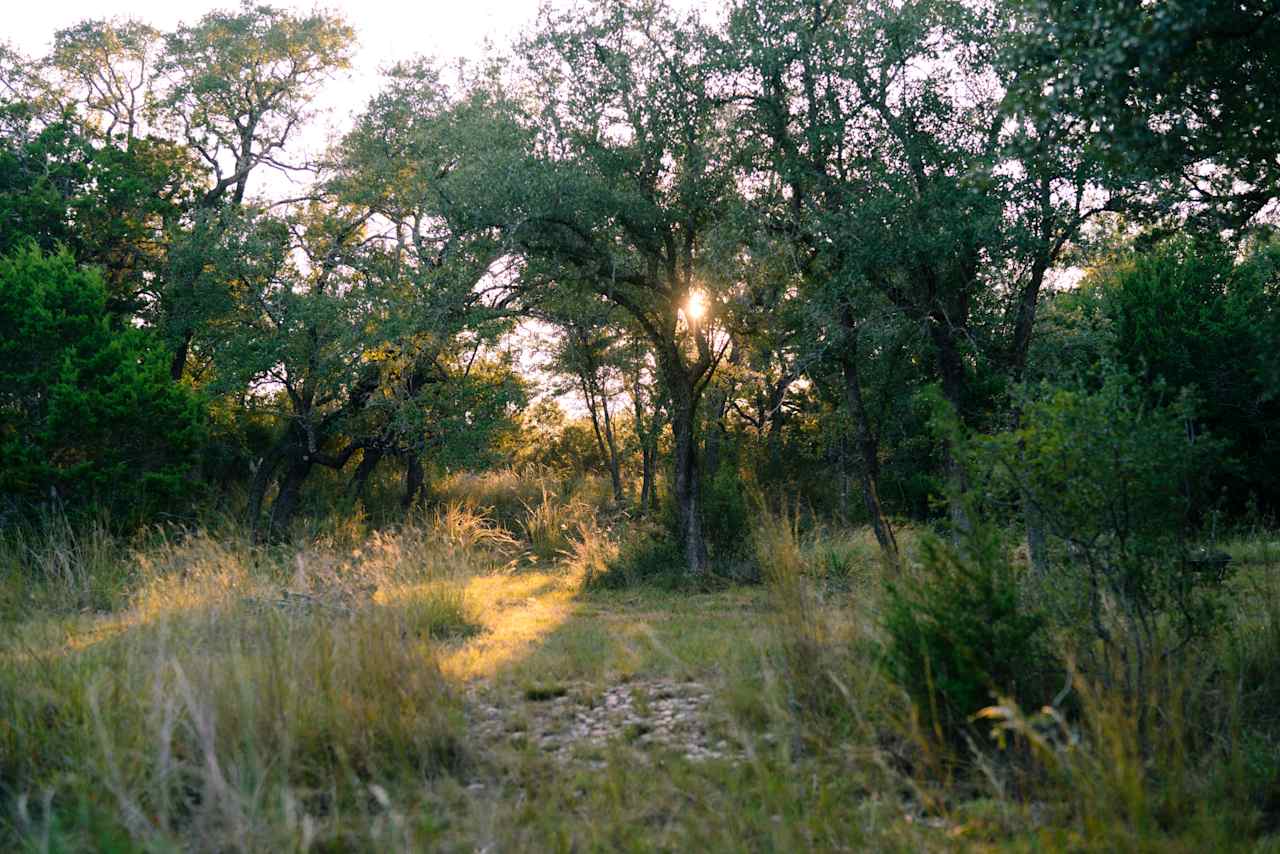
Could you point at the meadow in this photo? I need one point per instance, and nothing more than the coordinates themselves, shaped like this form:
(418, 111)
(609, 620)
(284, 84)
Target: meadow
(478, 678)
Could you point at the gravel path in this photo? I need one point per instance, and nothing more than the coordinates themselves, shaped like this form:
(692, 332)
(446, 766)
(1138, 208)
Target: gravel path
(572, 722)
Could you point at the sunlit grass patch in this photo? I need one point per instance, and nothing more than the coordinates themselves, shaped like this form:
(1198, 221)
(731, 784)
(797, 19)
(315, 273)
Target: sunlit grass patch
(440, 611)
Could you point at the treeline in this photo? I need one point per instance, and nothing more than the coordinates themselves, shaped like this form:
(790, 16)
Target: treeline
(893, 259)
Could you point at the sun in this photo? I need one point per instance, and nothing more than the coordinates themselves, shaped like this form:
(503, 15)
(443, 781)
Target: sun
(696, 308)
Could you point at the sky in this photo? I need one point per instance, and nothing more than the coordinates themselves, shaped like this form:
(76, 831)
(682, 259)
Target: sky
(385, 31)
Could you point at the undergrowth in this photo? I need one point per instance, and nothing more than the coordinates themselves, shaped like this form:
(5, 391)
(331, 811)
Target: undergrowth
(205, 693)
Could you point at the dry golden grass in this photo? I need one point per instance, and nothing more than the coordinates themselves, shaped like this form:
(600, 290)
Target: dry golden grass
(321, 697)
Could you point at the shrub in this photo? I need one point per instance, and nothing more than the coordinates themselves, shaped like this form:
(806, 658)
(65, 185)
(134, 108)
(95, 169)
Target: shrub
(548, 525)
(726, 514)
(957, 635)
(88, 413)
(646, 557)
(1118, 484)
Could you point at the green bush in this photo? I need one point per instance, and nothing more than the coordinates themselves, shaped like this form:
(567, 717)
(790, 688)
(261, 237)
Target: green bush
(1120, 489)
(88, 413)
(1187, 315)
(957, 635)
(726, 515)
(648, 557)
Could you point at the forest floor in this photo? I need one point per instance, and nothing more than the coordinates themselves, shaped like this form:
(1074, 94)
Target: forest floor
(421, 690)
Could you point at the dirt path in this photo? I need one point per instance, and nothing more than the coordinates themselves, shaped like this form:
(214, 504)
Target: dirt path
(573, 720)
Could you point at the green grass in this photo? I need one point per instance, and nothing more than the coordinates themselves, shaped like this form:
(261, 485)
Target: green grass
(329, 695)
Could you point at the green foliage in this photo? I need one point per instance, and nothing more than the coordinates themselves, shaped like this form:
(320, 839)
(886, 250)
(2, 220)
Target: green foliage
(441, 612)
(1170, 86)
(88, 414)
(958, 637)
(1184, 314)
(726, 513)
(649, 557)
(1118, 482)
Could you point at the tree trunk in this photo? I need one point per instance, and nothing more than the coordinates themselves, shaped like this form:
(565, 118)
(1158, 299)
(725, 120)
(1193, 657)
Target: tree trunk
(258, 489)
(867, 453)
(615, 465)
(178, 364)
(596, 404)
(686, 486)
(369, 461)
(951, 370)
(414, 478)
(1037, 547)
(647, 453)
(287, 499)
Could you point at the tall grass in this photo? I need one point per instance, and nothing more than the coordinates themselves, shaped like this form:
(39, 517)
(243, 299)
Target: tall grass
(1086, 775)
(538, 508)
(241, 697)
(54, 564)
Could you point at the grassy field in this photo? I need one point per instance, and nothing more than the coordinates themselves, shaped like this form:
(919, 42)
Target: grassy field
(458, 684)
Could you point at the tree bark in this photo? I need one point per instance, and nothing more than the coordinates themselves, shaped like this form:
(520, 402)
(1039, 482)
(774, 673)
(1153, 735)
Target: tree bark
(414, 477)
(285, 506)
(368, 462)
(647, 454)
(952, 372)
(686, 486)
(258, 489)
(867, 452)
(615, 464)
(178, 364)
(602, 426)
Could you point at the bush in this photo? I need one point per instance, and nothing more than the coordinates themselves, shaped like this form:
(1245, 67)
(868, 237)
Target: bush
(88, 413)
(1119, 486)
(725, 514)
(646, 557)
(957, 635)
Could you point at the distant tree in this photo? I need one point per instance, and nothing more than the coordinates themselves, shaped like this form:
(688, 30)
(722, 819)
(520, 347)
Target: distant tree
(629, 177)
(902, 182)
(1186, 314)
(237, 89)
(111, 69)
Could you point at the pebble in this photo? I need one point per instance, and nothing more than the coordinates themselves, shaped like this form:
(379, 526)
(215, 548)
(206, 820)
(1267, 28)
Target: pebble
(670, 715)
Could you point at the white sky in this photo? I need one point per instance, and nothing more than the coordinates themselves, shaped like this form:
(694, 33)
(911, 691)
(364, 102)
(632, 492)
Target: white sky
(385, 31)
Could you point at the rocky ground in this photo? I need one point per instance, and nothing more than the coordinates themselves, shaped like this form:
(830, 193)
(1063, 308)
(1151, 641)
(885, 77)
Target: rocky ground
(575, 723)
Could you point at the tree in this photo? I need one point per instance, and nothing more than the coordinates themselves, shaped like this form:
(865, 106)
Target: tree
(87, 414)
(238, 85)
(629, 175)
(1182, 91)
(901, 180)
(359, 320)
(111, 69)
(584, 353)
(1186, 314)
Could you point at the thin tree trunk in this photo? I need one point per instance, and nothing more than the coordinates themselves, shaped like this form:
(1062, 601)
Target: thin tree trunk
(868, 452)
(951, 369)
(615, 464)
(414, 477)
(647, 454)
(1037, 547)
(597, 402)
